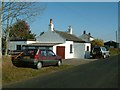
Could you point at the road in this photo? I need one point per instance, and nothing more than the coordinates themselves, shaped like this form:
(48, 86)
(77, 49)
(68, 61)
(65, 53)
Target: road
(101, 73)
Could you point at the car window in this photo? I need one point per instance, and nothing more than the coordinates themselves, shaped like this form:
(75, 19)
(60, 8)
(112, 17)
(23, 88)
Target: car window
(96, 49)
(30, 52)
(50, 53)
(43, 53)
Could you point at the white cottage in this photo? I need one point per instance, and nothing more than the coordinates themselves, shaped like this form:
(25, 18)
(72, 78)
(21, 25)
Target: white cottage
(64, 44)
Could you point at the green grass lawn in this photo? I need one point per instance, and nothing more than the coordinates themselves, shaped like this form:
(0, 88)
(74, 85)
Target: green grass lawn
(11, 73)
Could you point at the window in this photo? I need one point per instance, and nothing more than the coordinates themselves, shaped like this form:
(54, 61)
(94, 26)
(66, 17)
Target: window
(71, 48)
(87, 48)
(50, 53)
(18, 47)
(43, 53)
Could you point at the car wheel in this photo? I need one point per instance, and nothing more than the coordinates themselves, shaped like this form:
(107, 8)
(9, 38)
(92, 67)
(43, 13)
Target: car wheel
(39, 65)
(59, 63)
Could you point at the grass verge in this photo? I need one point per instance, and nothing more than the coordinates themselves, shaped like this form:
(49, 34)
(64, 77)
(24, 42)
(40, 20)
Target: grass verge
(11, 74)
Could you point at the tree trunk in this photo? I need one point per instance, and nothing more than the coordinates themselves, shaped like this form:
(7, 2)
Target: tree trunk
(1, 29)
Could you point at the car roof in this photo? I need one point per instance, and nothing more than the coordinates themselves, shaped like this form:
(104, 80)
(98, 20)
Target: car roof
(98, 46)
(37, 49)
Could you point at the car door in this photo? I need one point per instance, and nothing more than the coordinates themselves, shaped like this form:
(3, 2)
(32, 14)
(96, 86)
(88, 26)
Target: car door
(51, 57)
(43, 57)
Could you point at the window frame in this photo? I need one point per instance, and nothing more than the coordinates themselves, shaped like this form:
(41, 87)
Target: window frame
(71, 48)
(18, 47)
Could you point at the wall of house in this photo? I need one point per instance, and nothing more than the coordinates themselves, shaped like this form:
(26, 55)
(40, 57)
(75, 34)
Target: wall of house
(79, 50)
(13, 44)
(68, 54)
(87, 50)
(29, 42)
(67, 44)
(89, 45)
(91, 39)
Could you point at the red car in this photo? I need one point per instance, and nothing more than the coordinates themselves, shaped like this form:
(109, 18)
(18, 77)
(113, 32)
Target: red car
(37, 58)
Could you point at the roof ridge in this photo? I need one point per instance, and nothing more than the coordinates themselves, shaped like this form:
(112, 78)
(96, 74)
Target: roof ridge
(70, 37)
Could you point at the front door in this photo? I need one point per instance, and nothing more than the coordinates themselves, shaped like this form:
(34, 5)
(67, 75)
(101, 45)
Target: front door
(61, 51)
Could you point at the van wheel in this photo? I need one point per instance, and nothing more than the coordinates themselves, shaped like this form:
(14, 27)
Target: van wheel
(104, 56)
(39, 65)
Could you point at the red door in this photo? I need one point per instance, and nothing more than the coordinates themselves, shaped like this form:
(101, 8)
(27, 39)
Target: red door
(61, 51)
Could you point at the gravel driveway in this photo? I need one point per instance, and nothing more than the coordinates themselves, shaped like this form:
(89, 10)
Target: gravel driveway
(76, 62)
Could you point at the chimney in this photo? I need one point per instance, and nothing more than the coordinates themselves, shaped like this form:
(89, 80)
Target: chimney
(69, 29)
(84, 32)
(51, 26)
(89, 34)
(50, 21)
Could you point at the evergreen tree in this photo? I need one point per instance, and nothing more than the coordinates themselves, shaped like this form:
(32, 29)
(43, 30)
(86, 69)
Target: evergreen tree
(21, 30)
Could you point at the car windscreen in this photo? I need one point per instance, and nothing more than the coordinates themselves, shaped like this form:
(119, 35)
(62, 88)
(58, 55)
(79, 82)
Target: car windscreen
(103, 48)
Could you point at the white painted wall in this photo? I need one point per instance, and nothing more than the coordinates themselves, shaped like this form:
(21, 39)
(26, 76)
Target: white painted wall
(79, 49)
(88, 44)
(87, 53)
(91, 39)
(29, 42)
(68, 55)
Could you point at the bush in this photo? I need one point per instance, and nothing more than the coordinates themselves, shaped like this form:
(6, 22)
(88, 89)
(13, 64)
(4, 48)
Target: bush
(114, 51)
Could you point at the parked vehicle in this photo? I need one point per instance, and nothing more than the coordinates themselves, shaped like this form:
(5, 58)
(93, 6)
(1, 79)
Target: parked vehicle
(100, 52)
(37, 58)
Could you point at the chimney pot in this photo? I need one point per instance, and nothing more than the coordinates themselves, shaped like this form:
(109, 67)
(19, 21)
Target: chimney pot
(84, 32)
(51, 26)
(70, 29)
(89, 34)
(50, 21)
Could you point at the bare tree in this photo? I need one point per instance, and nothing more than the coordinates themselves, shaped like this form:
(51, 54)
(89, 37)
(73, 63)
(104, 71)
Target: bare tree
(1, 7)
(18, 10)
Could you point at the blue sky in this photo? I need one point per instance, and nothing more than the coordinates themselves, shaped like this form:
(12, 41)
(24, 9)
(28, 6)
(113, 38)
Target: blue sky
(98, 18)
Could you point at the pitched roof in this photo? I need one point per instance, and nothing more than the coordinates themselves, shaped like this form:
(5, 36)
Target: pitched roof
(69, 37)
(86, 35)
(89, 35)
(22, 40)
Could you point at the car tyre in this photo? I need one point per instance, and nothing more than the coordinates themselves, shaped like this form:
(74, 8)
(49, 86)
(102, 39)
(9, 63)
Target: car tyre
(39, 65)
(59, 63)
